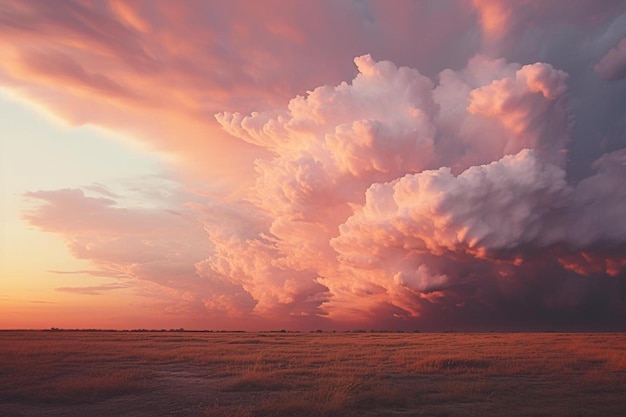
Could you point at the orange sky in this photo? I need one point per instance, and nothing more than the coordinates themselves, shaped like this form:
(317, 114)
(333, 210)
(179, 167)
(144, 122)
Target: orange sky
(293, 164)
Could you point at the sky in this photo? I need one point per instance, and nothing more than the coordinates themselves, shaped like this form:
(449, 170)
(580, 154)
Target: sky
(349, 164)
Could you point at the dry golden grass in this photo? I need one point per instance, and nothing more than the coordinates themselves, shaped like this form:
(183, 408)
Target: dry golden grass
(302, 374)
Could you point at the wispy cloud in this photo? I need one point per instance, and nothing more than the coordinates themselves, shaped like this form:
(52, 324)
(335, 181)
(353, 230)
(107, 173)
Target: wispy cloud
(92, 290)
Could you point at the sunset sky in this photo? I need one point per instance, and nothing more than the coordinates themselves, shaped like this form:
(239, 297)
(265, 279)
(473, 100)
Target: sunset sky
(436, 164)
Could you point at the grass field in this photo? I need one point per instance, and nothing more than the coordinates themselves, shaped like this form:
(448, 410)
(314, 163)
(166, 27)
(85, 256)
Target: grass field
(45, 373)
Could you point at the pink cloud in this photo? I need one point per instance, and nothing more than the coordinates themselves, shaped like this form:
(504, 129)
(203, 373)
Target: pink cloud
(92, 290)
(159, 71)
(337, 193)
(391, 252)
(151, 246)
(505, 24)
(423, 208)
(508, 216)
(491, 109)
(530, 108)
(612, 66)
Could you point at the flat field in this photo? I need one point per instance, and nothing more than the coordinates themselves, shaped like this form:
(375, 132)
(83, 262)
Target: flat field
(188, 374)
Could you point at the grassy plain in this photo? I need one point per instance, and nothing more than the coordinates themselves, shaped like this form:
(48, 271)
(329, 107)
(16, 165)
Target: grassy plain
(189, 374)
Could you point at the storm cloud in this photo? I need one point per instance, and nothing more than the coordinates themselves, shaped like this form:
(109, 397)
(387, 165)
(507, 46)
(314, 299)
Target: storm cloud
(434, 164)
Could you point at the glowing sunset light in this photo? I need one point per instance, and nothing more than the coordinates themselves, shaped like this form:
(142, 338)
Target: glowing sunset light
(313, 164)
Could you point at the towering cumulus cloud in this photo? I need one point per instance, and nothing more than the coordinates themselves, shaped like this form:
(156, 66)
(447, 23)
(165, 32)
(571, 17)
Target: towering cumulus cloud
(466, 172)
(356, 204)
